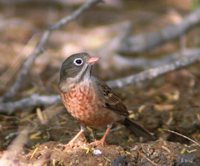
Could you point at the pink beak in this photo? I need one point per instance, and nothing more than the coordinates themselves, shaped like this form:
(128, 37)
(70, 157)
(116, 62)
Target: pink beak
(92, 60)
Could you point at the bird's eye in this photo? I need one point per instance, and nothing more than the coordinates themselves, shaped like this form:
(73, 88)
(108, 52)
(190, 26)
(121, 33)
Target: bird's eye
(78, 61)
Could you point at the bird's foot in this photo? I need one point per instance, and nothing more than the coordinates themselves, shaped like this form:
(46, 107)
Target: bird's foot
(77, 144)
(77, 141)
(100, 142)
(71, 145)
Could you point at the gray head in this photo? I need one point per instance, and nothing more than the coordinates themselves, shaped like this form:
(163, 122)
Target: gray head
(76, 68)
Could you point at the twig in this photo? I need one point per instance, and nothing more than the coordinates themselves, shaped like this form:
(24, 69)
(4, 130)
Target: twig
(10, 156)
(143, 42)
(181, 135)
(39, 2)
(44, 3)
(32, 101)
(127, 62)
(158, 71)
(40, 47)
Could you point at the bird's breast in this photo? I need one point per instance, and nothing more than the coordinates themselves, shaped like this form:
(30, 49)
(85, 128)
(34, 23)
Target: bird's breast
(81, 101)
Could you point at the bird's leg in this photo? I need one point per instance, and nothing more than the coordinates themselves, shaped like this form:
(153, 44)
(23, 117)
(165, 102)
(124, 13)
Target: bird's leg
(102, 140)
(71, 142)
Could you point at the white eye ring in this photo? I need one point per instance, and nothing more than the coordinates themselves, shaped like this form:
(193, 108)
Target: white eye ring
(78, 61)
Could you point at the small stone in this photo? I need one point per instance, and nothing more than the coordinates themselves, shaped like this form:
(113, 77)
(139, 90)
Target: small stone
(96, 152)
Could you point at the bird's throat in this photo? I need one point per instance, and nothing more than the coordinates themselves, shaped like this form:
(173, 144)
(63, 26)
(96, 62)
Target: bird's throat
(85, 74)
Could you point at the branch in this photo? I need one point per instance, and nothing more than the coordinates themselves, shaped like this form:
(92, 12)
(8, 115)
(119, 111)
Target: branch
(127, 62)
(190, 57)
(40, 47)
(32, 101)
(11, 155)
(39, 2)
(43, 3)
(143, 42)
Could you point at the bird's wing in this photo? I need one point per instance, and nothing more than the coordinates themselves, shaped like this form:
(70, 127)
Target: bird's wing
(113, 102)
(110, 99)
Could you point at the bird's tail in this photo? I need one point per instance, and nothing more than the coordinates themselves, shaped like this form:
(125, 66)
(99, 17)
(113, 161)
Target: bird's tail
(138, 130)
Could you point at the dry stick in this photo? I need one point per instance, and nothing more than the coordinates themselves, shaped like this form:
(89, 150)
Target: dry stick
(65, 3)
(157, 71)
(35, 100)
(181, 135)
(143, 42)
(40, 47)
(37, 2)
(127, 62)
(7, 75)
(10, 156)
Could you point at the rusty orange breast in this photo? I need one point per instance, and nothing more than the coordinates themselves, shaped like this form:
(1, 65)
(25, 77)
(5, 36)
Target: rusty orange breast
(81, 102)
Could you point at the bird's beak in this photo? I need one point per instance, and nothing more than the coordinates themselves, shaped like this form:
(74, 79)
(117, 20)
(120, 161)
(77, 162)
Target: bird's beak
(92, 60)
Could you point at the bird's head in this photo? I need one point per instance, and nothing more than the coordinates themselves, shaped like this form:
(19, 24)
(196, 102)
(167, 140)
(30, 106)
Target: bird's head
(75, 69)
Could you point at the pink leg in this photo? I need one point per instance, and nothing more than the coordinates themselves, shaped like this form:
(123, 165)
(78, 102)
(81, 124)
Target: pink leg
(102, 140)
(71, 142)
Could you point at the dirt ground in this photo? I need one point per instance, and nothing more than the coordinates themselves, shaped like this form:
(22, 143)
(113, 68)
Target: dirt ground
(166, 106)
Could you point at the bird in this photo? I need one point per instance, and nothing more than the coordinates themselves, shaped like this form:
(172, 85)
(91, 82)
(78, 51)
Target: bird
(91, 101)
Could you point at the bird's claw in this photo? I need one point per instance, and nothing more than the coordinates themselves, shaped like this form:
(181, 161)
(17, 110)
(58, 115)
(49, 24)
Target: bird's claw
(98, 143)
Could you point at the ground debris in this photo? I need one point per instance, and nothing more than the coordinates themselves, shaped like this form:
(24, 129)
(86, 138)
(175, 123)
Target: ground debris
(156, 153)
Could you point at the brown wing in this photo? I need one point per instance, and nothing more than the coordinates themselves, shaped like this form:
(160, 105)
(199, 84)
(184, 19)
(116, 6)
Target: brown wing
(113, 102)
(110, 99)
